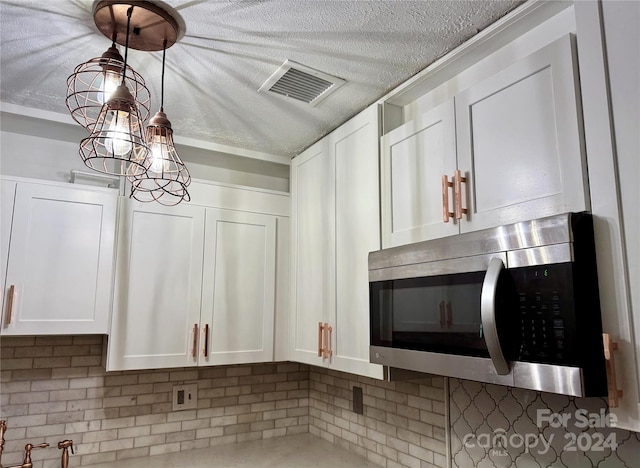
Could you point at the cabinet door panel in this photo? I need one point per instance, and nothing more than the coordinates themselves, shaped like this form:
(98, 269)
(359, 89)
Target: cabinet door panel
(519, 141)
(158, 285)
(61, 260)
(355, 146)
(415, 157)
(8, 192)
(313, 244)
(239, 286)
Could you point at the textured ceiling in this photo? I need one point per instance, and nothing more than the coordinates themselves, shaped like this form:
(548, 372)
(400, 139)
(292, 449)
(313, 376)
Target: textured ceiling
(231, 47)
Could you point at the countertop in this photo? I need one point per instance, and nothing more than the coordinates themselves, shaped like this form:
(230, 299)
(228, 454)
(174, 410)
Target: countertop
(303, 450)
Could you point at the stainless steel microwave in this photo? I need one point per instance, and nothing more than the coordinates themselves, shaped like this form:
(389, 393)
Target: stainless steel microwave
(515, 305)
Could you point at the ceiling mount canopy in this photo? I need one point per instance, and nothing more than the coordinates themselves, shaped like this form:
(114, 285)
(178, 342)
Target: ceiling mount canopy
(151, 23)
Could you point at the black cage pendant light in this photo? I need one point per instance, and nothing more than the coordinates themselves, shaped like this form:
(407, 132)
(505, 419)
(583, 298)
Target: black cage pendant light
(116, 145)
(166, 177)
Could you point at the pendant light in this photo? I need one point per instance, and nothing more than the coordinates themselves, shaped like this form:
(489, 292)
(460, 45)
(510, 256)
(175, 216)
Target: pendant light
(92, 83)
(116, 145)
(166, 177)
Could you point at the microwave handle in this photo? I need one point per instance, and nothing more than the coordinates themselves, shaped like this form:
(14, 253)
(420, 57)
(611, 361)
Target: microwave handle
(488, 315)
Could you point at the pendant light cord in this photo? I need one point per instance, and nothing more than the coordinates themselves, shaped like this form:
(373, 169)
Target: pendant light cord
(164, 52)
(126, 45)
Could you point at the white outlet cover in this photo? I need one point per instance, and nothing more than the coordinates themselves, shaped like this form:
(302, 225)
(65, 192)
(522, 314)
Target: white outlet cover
(185, 397)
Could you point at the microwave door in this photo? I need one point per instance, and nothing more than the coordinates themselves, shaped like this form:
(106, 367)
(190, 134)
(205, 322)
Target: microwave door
(435, 313)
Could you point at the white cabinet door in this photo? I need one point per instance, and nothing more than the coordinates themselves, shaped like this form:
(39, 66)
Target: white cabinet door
(414, 159)
(519, 141)
(313, 249)
(7, 192)
(158, 287)
(60, 260)
(357, 227)
(238, 294)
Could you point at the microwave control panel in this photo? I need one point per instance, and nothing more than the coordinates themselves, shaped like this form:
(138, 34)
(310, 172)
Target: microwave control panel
(546, 320)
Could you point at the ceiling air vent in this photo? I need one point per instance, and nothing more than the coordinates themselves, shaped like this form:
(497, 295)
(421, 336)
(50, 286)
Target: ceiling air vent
(302, 83)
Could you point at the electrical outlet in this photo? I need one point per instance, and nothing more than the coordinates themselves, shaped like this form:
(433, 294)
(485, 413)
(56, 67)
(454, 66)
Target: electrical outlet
(358, 406)
(185, 397)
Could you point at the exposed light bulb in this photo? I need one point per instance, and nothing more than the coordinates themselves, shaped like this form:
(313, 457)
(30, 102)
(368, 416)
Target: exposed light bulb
(110, 82)
(117, 140)
(159, 160)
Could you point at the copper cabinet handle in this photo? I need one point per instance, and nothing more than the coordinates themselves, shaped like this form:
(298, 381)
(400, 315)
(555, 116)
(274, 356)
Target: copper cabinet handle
(446, 185)
(612, 387)
(320, 328)
(325, 340)
(457, 195)
(442, 320)
(194, 348)
(449, 315)
(205, 347)
(10, 301)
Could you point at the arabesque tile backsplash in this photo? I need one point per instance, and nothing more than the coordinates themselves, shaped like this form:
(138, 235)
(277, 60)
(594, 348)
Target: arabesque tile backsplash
(497, 426)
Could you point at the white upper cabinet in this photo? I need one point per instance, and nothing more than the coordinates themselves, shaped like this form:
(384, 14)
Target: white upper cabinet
(196, 286)
(238, 287)
(156, 313)
(312, 249)
(335, 224)
(519, 141)
(415, 158)
(514, 137)
(357, 232)
(60, 259)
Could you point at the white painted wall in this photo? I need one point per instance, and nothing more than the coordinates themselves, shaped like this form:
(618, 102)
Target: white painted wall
(46, 149)
(622, 35)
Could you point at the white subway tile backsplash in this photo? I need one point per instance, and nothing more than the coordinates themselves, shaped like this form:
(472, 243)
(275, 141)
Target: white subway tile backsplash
(89, 382)
(183, 375)
(49, 385)
(21, 363)
(66, 395)
(50, 363)
(75, 350)
(133, 453)
(164, 448)
(237, 409)
(209, 432)
(55, 387)
(382, 434)
(114, 445)
(89, 403)
(147, 441)
(79, 361)
(65, 417)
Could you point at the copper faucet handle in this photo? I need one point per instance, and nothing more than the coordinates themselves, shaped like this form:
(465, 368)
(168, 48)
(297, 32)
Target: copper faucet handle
(42, 445)
(27, 453)
(66, 444)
